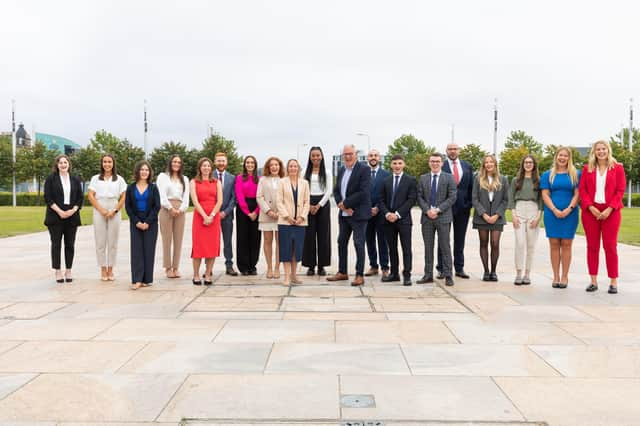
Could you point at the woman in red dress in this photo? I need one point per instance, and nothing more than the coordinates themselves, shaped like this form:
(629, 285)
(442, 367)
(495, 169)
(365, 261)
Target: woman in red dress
(205, 230)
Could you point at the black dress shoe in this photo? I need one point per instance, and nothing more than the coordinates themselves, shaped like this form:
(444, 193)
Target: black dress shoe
(311, 272)
(462, 274)
(425, 279)
(440, 275)
(406, 281)
(196, 282)
(555, 285)
(390, 278)
(322, 272)
(591, 288)
(486, 277)
(231, 271)
(253, 272)
(245, 273)
(207, 282)
(562, 285)
(448, 281)
(613, 289)
(493, 276)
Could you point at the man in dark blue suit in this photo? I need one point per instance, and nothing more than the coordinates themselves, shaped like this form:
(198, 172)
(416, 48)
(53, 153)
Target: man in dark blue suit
(375, 225)
(352, 193)
(463, 176)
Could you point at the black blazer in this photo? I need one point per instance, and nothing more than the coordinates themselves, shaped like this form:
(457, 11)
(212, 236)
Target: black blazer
(358, 193)
(464, 188)
(406, 195)
(53, 194)
(150, 215)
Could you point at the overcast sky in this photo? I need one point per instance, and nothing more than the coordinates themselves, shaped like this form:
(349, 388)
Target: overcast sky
(276, 74)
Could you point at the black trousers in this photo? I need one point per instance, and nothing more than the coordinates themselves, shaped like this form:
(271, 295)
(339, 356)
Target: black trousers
(347, 225)
(143, 253)
(375, 230)
(247, 239)
(459, 224)
(57, 232)
(317, 236)
(226, 225)
(392, 232)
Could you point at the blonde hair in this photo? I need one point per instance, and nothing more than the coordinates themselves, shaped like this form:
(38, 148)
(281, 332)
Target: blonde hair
(593, 161)
(571, 168)
(483, 178)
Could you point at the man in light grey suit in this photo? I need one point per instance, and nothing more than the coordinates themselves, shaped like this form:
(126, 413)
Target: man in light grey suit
(226, 211)
(436, 196)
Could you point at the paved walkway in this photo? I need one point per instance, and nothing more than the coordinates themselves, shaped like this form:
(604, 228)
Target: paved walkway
(248, 351)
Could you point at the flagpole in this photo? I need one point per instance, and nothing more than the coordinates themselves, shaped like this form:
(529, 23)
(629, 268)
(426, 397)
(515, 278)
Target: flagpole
(630, 148)
(146, 129)
(13, 149)
(495, 126)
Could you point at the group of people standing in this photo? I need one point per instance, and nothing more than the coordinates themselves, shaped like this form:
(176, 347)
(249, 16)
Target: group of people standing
(290, 211)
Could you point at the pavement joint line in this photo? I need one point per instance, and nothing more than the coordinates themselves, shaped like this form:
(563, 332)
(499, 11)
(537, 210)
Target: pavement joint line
(452, 333)
(226, 321)
(266, 361)
(192, 300)
(299, 421)
(585, 312)
(103, 330)
(339, 393)
(545, 361)
(173, 395)
(454, 297)
(35, 376)
(493, 379)
(18, 344)
(405, 359)
(559, 326)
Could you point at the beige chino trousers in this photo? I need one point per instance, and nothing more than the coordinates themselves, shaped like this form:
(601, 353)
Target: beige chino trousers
(172, 232)
(526, 237)
(106, 233)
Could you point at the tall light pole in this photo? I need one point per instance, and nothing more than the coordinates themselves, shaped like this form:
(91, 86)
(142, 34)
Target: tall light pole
(495, 126)
(630, 147)
(298, 151)
(368, 140)
(13, 148)
(146, 129)
(453, 133)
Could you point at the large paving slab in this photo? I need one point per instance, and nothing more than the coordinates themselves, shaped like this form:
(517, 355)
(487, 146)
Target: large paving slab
(163, 329)
(511, 333)
(408, 331)
(54, 329)
(30, 310)
(277, 331)
(11, 382)
(592, 361)
(255, 397)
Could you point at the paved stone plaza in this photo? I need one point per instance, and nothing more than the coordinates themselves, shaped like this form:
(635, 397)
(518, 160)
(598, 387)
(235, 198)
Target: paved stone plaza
(250, 351)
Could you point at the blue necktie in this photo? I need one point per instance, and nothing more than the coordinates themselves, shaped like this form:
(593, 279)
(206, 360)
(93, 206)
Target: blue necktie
(393, 193)
(373, 175)
(434, 189)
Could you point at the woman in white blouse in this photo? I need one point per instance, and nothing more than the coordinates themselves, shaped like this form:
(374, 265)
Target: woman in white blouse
(174, 199)
(106, 195)
(268, 219)
(317, 239)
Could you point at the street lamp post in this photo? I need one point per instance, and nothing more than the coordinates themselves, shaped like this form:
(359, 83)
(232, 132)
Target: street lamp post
(13, 149)
(298, 150)
(368, 140)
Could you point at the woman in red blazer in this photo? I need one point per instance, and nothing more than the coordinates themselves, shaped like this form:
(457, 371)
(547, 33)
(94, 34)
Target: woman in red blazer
(602, 186)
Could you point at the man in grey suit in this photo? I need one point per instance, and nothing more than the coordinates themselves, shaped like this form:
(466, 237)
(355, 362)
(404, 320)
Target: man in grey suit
(436, 196)
(226, 211)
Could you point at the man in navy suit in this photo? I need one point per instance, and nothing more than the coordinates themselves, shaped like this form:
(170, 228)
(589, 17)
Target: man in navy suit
(398, 196)
(375, 225)
(352, 193)
(463, 176)
(226, 211)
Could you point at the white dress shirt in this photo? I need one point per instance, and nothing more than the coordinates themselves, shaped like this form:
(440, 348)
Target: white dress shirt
(316, 189)
(170, 189)
(601, 180)
(66, 189)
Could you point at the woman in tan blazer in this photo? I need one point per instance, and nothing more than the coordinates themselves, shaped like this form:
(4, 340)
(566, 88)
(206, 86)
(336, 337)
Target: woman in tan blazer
(293, 209)
(268, 220)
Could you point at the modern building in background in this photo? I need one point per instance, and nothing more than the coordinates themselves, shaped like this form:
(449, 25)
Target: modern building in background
(336, 162)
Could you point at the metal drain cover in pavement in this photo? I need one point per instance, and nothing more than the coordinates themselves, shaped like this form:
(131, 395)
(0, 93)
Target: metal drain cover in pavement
(358, 401)
(363, 423)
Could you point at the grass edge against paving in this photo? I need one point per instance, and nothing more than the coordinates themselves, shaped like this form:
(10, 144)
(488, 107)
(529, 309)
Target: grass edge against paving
(27, 220)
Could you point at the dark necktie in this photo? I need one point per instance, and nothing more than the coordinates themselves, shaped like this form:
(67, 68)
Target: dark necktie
(396, 178)
(373, 175)
(434, 189)
(220, 178)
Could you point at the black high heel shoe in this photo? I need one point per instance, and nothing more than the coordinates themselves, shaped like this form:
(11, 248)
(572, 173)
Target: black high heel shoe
(613, 289)
(196, 282)
(208, 281)
(591, 288)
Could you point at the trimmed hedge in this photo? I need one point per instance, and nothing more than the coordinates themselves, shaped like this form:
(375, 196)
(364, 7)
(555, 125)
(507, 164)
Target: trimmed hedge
(26, 199)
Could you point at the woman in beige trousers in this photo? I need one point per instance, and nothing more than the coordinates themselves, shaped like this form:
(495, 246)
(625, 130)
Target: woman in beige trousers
(174, 199)
(106, 195)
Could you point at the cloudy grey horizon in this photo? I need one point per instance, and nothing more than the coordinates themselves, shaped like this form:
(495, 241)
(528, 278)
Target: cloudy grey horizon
(274, 75)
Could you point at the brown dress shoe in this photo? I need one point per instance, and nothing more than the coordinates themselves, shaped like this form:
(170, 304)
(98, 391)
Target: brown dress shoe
(339, 276)
(371, 272)
(385, 273)
(358, 281)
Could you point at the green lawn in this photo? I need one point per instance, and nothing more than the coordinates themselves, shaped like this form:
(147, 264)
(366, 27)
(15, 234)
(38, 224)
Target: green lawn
(23, 220)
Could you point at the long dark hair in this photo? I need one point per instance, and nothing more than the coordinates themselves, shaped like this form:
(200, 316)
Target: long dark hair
(322, 174)
(245, 173)
(170, 169)
(114, 174)
(136, 171)
(535, 175)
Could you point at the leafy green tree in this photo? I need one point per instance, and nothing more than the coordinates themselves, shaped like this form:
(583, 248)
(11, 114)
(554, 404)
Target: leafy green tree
(510, 160)
(34, 162)
(161, 155)
(218, 143)
(620, 150)
(518, 138)
(473, 154)
(549, 152)
(6, 162)
(85, 163)
(415, 152)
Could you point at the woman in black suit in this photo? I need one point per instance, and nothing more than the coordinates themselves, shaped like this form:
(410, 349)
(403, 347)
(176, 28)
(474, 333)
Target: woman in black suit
(142, 204)
(63, 195)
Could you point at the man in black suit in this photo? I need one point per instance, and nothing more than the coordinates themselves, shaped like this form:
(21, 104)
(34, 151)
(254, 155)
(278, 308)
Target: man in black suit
(399, 193)
(352, 193)
(463, 176)
(375, 225)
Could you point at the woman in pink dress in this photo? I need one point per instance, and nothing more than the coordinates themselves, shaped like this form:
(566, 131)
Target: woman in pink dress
(205, 230)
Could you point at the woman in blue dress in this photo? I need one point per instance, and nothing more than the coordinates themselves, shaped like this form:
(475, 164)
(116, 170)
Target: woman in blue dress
(560, 195)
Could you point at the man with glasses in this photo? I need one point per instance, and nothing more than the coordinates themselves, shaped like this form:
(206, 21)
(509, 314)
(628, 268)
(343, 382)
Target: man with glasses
(436, 195)
(462, 173)
(352, 193)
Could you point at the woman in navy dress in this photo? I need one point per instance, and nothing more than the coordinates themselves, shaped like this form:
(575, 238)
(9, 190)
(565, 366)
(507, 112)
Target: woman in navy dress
(560, 194)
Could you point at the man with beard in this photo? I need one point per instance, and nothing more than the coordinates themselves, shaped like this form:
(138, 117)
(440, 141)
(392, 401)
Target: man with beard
(228, 182)
(375, 225)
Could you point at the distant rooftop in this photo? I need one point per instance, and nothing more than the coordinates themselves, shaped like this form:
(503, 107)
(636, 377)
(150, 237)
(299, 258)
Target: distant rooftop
(60, 144)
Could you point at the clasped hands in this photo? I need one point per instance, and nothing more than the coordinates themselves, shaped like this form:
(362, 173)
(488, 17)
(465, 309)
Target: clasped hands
(532, 224)
(344, 209)
(490, 219)
(600, 215)
(142, 226)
